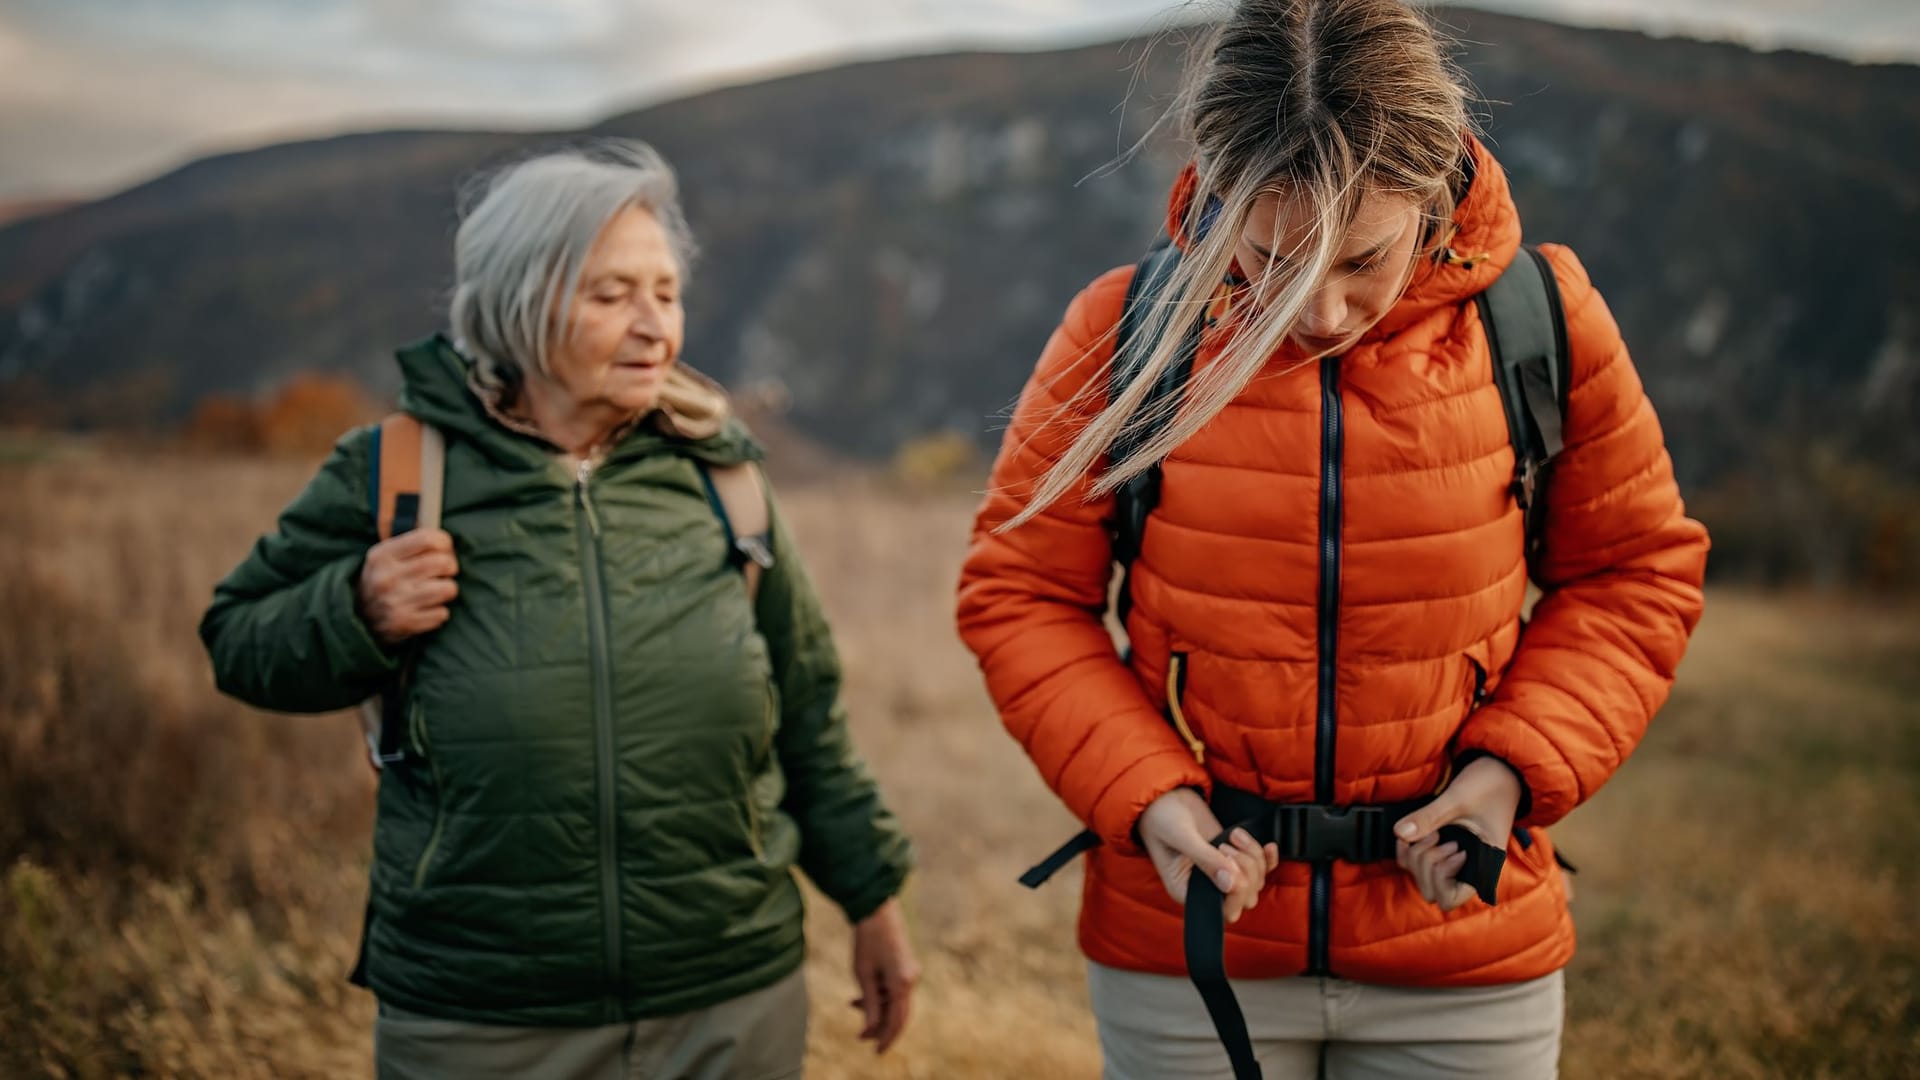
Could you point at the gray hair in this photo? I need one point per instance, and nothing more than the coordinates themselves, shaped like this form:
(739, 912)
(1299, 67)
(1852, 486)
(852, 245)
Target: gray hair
(523, 240)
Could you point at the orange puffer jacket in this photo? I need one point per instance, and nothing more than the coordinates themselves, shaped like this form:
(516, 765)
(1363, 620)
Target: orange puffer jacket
(1430, 575)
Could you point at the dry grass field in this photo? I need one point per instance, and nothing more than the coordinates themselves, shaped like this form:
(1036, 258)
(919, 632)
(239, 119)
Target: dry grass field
(181, 877)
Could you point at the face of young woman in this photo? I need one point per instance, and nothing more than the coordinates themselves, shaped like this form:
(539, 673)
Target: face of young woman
(1371, 267)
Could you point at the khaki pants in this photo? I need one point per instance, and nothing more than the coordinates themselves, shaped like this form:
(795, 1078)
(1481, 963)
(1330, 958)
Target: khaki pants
(760, 1035)
(1155, 1026)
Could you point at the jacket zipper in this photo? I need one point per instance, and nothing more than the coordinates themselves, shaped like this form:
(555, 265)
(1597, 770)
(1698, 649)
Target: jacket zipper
(417, 726)
(594, 585)
(756, 821)
(1323, 747)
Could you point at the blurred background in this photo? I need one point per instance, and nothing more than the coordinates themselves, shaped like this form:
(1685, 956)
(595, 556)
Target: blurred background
(219, 217)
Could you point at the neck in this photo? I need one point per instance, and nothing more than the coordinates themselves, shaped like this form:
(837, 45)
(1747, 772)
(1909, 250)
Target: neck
(577, 429)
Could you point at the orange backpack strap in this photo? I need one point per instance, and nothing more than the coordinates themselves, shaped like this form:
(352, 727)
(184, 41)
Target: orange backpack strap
(739, 497)
(408, 475)
(409, 467)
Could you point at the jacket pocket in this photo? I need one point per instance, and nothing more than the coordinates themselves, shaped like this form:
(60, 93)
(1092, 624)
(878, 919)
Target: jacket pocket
(1177, 670)
(417, 733)
(1477, 689)
(756, 817)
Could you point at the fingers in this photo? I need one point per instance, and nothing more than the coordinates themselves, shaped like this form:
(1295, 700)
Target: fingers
(431, 564)
(872, 999)
(1214, 862)
(419, 542)
(1175, 828)
(1250, 864)
(1436, 871)
(1422, 823)
(425, 593)
(406, 584)
(886, 1003)
(898, 989)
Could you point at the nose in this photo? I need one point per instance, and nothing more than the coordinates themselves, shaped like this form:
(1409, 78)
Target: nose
(1325, 313)
(648, 321)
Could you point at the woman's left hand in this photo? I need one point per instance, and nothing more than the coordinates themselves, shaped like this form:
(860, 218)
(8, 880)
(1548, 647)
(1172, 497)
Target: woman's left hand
(884, 967)
(1482, 799)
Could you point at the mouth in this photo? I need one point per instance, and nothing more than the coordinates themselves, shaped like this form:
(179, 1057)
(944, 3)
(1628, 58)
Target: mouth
(1314, 344)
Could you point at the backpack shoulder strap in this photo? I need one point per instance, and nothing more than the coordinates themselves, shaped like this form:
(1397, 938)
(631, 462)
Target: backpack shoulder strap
(409, 475)
(738, 494)
(1133, 343)
(1527, 335)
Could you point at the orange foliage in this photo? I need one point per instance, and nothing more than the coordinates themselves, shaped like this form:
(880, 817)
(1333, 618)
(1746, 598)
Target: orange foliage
(304, 418)
(223, 422)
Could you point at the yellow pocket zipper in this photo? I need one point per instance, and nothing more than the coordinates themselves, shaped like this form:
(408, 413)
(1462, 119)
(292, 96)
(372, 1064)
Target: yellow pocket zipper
(1177, 689)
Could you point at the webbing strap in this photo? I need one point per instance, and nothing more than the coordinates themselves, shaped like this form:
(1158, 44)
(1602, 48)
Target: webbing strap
(1206, 932)
(1366, 834)
(738, 495)
(1133, 344)
(1527, 338)
(409, 481)
(1083, 841)
(409, 475)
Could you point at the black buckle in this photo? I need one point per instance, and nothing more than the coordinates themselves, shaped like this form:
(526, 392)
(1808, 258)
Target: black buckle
(1318, 833)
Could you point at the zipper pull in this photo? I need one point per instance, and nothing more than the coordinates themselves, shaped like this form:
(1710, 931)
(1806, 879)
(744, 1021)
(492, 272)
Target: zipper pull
(580, 477)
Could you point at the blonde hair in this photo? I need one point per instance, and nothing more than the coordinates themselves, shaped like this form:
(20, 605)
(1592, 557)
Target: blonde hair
(1323, 100)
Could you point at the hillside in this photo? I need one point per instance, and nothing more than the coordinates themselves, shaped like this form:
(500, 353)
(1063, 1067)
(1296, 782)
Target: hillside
(890, 243)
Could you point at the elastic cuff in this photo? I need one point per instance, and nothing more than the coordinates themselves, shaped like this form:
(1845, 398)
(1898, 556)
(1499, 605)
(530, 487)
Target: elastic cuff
(859, 906)
(1526, 794)
(1123, 836)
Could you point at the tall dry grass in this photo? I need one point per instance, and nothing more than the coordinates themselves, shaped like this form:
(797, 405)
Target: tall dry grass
(183, 876)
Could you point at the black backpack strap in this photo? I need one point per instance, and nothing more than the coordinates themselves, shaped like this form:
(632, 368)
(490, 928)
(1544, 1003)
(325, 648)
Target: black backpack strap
(1135, 499)
(1133, 343)
(1205, 939)
(1302, 832)
(1527, 335)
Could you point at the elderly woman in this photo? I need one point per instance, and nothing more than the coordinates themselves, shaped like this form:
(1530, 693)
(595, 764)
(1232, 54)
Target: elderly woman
(614, 753)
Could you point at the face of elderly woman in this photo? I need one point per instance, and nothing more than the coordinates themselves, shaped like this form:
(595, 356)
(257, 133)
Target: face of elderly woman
(627, 322)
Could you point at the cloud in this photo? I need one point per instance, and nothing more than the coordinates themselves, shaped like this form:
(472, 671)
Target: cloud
(98, 93)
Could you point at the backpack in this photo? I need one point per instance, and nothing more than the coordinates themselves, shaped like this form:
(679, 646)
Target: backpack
(405, 488)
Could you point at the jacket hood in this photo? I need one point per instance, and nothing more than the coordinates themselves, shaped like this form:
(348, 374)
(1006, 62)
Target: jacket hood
(1485, 239)
(693, 416)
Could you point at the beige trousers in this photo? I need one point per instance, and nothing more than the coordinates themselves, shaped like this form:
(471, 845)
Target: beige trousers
(1154, 1027)
(761, 1035)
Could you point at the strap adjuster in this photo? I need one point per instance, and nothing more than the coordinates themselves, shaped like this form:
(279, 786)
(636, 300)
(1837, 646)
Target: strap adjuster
(756, 550)
(1318, 833)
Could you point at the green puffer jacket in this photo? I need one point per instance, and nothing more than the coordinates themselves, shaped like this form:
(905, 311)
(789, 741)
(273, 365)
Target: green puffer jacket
(614, 760)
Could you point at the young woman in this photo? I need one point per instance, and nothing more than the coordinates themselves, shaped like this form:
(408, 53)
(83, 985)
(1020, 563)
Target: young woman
(1326, 603)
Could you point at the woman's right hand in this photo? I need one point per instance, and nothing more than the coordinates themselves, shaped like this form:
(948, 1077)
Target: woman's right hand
(406, 584)
(1177, 830)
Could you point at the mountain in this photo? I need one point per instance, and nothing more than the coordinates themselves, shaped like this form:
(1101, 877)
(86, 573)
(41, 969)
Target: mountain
(20, 209)
(887, 245)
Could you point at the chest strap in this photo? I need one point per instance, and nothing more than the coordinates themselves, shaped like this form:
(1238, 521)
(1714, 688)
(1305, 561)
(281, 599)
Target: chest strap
(1304, 832)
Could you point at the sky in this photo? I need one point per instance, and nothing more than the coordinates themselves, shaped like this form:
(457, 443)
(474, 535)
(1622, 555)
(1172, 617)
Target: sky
(96, 95)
